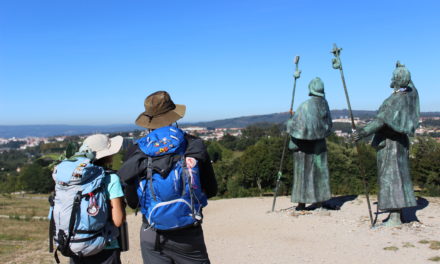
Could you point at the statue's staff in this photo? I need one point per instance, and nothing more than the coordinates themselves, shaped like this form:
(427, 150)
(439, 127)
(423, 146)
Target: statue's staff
(296, 75)
(336, 63)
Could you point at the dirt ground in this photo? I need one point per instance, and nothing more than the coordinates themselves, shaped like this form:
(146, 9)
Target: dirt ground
(245, 231)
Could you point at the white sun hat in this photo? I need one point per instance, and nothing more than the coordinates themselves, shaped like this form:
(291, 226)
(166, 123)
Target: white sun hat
(101, 145)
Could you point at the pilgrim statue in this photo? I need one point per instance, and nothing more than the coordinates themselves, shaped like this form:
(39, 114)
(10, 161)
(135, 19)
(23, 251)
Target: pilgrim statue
(308, 128)
(397, 118)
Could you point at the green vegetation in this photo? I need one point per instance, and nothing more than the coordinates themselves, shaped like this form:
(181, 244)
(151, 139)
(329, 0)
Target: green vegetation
(24, 205)
(408, 245)
(392, 248)
(252, 168)
(30, 170)
(436, 259)
(425, 168)
(21, 237)
(246, 165)
(434, 245)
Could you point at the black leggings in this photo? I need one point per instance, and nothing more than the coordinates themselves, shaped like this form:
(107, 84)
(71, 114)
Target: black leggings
(106, 256)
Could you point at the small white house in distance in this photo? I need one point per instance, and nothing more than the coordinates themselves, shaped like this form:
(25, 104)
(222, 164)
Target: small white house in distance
(189, 129)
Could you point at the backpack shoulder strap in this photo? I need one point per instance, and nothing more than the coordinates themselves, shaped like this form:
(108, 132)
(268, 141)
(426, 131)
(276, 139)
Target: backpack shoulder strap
(51, 223)
(63, 240)
(185, 174)
(150, 176)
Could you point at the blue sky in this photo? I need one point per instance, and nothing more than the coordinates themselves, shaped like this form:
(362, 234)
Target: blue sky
(94, 62)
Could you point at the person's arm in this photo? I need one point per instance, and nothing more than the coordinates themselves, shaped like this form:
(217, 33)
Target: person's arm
(117, 211)
(197, 149)
(131, 196)
(208, 181)
(116, 196)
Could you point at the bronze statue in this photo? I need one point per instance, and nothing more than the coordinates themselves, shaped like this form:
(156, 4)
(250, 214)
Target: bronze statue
(397, 118)
(308, 128)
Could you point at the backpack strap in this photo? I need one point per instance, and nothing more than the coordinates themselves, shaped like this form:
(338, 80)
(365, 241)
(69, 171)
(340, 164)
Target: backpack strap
(63, 241)
(51, 224)
(150, 176)
(75, 208)
(185, 174)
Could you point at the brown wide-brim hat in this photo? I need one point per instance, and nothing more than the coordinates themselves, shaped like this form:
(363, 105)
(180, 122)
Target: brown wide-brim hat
(160, 111)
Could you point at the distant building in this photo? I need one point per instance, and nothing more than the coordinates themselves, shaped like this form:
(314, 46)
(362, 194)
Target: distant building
(346, 120)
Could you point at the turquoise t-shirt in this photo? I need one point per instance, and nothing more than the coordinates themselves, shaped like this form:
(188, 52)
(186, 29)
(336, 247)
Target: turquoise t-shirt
(113, 189)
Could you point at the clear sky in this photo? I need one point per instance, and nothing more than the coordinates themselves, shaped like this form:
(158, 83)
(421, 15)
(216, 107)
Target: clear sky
(94, 62)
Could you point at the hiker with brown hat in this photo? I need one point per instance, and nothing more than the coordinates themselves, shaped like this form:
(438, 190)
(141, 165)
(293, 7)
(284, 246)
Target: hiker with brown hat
(169, 177)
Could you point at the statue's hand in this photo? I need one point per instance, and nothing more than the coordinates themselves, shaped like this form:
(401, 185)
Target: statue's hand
(357, 135)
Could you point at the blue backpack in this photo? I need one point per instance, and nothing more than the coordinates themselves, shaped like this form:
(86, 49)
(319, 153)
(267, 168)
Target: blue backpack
(79, 210)
(174, 200)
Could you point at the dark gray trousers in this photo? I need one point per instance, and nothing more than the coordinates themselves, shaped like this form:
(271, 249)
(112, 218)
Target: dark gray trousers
(186, 246)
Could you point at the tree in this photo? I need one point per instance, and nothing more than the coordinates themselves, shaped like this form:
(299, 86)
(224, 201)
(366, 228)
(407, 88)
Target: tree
(425, 168)
(259, 164)
(345, 177)
(35, 178)
(229, 141)
(225, 171)
(251, 134)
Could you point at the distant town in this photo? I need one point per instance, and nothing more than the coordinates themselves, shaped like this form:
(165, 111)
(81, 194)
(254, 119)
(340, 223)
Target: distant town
(423, 129)
(27, 142)
(429, 126)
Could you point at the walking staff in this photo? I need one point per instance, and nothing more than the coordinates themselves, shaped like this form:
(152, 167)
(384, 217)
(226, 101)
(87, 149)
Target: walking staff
(336, 63)
(296, 76)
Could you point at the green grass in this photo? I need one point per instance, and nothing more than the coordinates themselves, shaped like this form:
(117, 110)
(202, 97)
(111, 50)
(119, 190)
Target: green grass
(18, 238)
(434, 245)
(408, 245)
(424, 241)
(436, 259)
(13, 237)
(392, 248)
(27, 205)
(6, 248)
(52, 156)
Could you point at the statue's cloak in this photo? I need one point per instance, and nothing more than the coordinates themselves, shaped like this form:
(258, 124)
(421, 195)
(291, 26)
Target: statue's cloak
(401, 111)
(312, 120)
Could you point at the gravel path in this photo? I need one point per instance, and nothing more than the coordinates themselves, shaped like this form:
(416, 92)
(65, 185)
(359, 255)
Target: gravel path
(244, 231)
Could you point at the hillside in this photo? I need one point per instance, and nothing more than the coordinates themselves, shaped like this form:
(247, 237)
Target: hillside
(278, 118)
(237, 122)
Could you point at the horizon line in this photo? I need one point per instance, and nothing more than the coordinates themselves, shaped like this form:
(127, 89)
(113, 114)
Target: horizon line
(187, 122)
